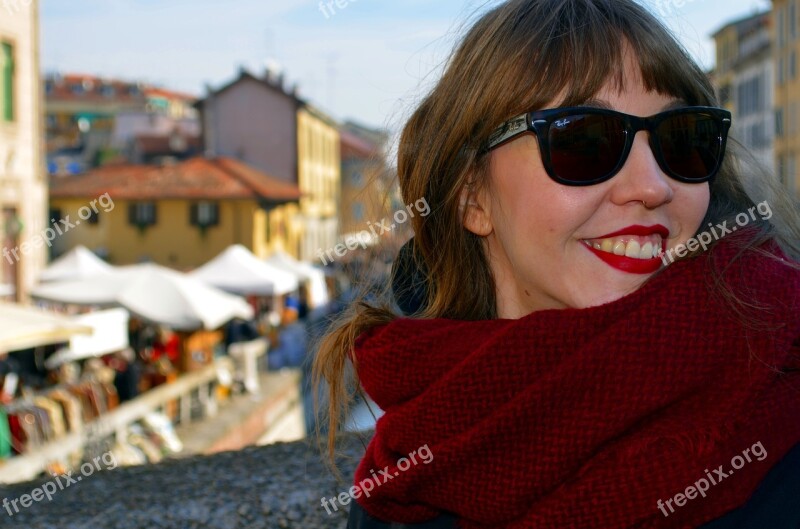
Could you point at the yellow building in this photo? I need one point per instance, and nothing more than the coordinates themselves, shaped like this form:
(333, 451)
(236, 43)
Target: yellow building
(319, 177)
(786, 38)
(369, 189)
(23, 184)
(179, 215)
(744, 78)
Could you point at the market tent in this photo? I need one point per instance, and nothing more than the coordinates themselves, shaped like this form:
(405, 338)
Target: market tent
(153, 293)
(24, 327)
(75, 264)
(6, 290)
(317, 288)
(237, 270)
(110, 335)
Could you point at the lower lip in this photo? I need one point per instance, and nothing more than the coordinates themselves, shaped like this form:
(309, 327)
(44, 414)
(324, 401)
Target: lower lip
(627, 264)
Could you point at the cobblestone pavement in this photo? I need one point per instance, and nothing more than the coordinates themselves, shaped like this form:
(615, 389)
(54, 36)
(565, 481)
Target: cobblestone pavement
(267, 487)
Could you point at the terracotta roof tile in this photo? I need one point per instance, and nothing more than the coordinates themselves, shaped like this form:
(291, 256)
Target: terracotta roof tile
(195, 178)
(354, 147)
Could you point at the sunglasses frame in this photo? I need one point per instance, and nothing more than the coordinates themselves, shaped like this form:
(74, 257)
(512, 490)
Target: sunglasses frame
(540, 121)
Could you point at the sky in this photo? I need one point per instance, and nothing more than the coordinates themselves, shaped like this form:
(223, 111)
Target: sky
(370, 61)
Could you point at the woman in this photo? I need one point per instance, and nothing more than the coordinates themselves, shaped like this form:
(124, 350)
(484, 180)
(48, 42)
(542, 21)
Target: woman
(571, 363)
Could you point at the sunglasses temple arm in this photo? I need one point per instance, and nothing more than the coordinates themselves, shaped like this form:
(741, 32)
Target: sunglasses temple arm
(508, 130)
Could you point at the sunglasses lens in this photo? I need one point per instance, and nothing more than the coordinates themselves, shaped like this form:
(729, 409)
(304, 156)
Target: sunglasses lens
(585, 148)
(691, 145)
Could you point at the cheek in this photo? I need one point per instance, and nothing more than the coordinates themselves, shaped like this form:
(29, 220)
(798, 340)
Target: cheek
(529, 209)
(691, 207)
(531, 204)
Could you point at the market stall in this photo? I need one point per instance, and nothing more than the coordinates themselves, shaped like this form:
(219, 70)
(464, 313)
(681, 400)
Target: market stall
(237, 270)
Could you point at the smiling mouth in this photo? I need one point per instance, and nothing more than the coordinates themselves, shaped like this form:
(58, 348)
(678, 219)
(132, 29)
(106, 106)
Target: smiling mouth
(642, 247)
(636, 249)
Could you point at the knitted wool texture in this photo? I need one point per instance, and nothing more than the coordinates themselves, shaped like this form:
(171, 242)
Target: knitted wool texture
(586, 418)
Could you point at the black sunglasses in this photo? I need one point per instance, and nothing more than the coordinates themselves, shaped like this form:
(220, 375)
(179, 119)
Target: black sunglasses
(587, 145)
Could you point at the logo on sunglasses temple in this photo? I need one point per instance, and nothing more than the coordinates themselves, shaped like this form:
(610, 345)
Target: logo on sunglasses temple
(517, 124)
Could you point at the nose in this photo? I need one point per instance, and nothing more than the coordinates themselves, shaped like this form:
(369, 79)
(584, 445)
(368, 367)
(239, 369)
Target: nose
(641, 180)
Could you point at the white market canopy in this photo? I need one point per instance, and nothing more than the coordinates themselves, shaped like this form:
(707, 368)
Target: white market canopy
(77, 263)
(237, 270)
(110, 335)
(24, 327)
(153, 293)
(317, 288)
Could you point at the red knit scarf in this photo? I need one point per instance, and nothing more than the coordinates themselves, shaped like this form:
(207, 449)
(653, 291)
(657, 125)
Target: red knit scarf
(587, 418)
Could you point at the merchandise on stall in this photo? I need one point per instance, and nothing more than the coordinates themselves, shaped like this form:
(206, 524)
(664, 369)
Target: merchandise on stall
(5, 435)
(162, 432)
(34, 420)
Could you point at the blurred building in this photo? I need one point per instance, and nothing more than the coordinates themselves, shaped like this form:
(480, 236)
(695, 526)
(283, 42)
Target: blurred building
(319, 177)
(786, 38)
(744, 81)
(259, 121)
(177, 214)
(253, 119)
(23, 184)
(91, 121)
(366, 183)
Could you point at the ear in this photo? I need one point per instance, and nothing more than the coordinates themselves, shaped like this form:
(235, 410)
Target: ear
(474, 208)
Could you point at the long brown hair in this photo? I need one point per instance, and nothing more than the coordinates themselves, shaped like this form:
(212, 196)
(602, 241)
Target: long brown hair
(516, 58)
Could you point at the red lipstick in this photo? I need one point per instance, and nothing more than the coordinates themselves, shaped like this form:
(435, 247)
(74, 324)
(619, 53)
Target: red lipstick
(630, 264)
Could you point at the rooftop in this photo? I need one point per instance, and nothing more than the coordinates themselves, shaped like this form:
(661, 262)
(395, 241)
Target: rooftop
(195, 178)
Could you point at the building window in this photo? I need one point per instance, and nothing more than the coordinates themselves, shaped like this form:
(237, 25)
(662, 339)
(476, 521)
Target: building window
(780, 21)
(779, 122)
(792, 65)
(358, 211)
(357, 178)
(94, 218)
(54, 215)
(757, 137)
(793, 20)
(142, 214)
(204, 214)
(724, 95)
(6, 81)
(749, 97)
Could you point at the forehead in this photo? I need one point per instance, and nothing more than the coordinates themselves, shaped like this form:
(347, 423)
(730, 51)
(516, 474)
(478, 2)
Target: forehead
(624, 85)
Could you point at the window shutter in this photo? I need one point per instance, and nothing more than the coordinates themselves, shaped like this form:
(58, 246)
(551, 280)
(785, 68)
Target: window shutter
(7, 80)
(215, 213)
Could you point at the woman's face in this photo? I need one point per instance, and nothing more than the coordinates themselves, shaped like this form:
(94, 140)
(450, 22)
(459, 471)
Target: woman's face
(537, 232)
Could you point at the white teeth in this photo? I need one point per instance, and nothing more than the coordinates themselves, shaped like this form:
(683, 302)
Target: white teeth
(636, 248)
(633, 249)
(647, 251)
